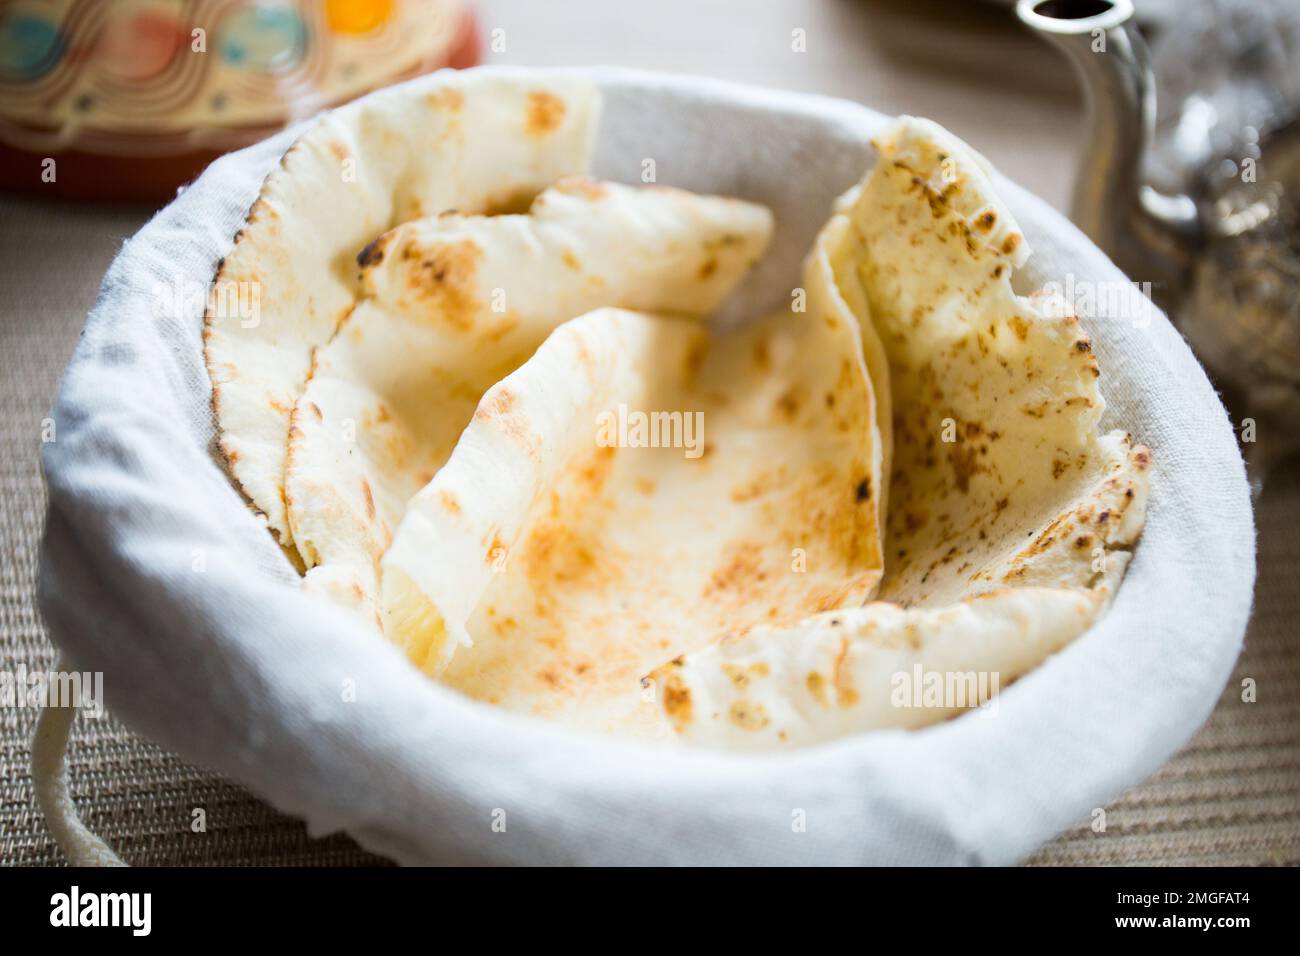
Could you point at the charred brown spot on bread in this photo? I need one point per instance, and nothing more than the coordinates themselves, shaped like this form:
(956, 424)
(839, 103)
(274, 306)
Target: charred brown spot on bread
(987, 220)
(741, 570)
(339, 319)
(556, 557)
(677, 699)
(845, 694)
(444, 273)
(369, 499)
(763, 483)
(448, 99)
(914, 521)
(496, 402)
(315, 410)
(373, 253)
(1059, 525)
(545, 113)
(790, 402)
(261, 208)
(1011, 244)
(449, 501)
(710, 266)
(596, 469)
(742, 676)
(816, 684)
(1020, 325)
(863, 491)
(693, 359)
(497, 330)
(583, 187)
(962, 458)
(498, 409)
(748, 715)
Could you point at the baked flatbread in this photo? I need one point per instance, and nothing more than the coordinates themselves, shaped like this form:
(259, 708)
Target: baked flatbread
(452, 305)
(1010, 517)
(557, 557)
(473, 141)
(477, 402)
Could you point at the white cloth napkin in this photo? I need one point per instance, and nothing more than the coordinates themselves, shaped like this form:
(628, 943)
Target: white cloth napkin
(155, 572)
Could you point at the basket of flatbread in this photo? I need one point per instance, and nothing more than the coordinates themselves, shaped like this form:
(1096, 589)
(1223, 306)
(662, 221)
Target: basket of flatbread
(601, 467)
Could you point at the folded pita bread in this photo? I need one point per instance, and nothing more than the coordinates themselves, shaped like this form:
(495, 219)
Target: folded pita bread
(1010, 518)
(474, 141)
(557, 558)
(455, 303)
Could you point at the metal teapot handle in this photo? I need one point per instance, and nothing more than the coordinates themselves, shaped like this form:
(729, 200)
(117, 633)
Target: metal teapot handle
(1149, 235)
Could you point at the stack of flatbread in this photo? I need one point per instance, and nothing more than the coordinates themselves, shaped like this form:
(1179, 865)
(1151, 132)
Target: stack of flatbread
(480, 405)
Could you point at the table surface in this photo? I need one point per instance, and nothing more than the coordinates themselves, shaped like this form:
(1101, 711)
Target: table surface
(1231, 797)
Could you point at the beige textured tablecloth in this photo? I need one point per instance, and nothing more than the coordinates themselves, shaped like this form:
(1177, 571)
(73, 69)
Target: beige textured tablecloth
(1232, 797)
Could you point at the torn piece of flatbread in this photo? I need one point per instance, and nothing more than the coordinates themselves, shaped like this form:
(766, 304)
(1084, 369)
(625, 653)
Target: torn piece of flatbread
(637, 488)
(472, 141)
(1000, 479)
(455, 303)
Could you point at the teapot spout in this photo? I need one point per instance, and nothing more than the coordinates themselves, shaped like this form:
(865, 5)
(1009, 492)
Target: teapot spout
(1150, 236)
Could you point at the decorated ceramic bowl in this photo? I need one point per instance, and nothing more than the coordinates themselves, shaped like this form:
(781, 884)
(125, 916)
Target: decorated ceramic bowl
(130, 99)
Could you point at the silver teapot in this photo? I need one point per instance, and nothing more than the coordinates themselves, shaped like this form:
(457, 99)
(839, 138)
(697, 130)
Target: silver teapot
(1221, 250)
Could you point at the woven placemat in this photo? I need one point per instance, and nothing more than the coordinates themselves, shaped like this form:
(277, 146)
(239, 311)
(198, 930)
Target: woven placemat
(1232, 797)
